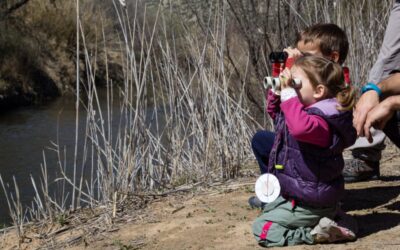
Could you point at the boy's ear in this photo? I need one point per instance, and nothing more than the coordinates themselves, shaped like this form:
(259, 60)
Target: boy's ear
(335, 56)
(320, 91)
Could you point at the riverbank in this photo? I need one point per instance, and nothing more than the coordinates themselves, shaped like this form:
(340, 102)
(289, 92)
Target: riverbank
(216, 217)
(38, 47)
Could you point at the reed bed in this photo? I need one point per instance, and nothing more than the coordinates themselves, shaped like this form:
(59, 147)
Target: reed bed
(184, 116)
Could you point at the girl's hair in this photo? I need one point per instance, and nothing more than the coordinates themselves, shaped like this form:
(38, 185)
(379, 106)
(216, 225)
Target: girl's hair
(322, 71)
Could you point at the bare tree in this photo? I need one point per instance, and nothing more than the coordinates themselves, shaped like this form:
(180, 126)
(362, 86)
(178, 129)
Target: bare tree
(7, 7)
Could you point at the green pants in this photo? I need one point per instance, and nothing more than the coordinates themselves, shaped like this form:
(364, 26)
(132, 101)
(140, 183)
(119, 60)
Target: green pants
(284, 224)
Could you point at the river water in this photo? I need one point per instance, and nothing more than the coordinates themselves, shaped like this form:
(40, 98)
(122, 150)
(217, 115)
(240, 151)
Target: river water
(25, 134)
(28, 132)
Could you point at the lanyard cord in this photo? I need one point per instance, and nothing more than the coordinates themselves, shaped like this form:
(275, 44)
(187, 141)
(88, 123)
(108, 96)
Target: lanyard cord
(279, 141)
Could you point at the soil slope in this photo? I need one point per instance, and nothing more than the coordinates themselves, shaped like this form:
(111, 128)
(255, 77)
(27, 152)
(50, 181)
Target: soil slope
(219, 218)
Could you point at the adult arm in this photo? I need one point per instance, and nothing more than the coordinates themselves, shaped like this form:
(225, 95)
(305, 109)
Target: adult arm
(370, 99)
(391, 85)
(388, 60)
(382, 112)
(389, 54)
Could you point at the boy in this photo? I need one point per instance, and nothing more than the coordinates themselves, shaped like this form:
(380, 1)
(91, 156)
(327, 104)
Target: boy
(326, 40)
(329, 41)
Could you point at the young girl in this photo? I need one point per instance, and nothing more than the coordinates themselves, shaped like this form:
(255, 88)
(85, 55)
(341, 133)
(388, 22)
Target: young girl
(313, 126)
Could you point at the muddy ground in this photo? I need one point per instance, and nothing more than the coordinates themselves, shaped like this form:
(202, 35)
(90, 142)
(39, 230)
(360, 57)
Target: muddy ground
(219, 218)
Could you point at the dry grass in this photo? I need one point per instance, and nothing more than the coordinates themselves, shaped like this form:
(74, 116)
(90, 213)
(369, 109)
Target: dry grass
(184, 105)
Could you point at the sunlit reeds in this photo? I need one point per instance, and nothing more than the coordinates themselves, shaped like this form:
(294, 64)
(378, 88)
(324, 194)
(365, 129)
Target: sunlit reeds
(183, 116)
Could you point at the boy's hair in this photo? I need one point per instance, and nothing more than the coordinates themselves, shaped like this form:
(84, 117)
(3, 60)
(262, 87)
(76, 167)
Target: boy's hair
(329, 37)
(320, 70)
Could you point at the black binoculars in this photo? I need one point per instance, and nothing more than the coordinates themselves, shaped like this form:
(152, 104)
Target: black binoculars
(278, 57)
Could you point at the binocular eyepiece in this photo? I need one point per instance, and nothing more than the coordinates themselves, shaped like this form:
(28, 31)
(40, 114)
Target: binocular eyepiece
(278, 57)
(275, 83)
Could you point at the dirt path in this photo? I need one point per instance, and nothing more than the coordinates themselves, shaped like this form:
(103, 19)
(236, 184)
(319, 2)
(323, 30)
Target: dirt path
(219, 218)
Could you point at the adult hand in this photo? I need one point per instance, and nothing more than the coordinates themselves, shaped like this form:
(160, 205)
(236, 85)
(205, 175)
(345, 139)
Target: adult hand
(378, 117)
(367, 102)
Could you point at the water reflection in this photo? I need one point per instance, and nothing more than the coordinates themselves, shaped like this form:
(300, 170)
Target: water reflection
(24, 134)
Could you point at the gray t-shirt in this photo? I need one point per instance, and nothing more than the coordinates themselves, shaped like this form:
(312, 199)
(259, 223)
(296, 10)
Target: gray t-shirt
(389, 55)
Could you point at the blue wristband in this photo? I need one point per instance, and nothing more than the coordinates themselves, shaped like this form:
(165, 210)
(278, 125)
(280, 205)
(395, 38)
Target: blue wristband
(371, 86)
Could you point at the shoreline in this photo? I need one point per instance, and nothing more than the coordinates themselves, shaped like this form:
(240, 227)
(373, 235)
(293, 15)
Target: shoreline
(217, 215)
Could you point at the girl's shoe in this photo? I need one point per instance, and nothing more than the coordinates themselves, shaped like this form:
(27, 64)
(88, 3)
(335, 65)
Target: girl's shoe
(328, 231)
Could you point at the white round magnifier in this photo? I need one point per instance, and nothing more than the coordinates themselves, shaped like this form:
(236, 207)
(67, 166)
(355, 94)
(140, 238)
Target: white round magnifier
(267, 188)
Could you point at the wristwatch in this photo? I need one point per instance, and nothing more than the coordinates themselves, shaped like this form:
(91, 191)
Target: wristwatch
(371, 86)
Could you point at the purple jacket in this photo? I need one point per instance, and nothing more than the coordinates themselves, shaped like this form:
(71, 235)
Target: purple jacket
(311, 174)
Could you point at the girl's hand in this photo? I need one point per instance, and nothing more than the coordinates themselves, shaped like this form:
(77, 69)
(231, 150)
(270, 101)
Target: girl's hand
(285, 78)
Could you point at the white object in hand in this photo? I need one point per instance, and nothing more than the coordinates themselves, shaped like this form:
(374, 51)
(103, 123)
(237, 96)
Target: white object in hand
(267, 188)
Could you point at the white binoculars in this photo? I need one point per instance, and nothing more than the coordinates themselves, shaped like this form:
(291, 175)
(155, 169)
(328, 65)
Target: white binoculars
(275, 83)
